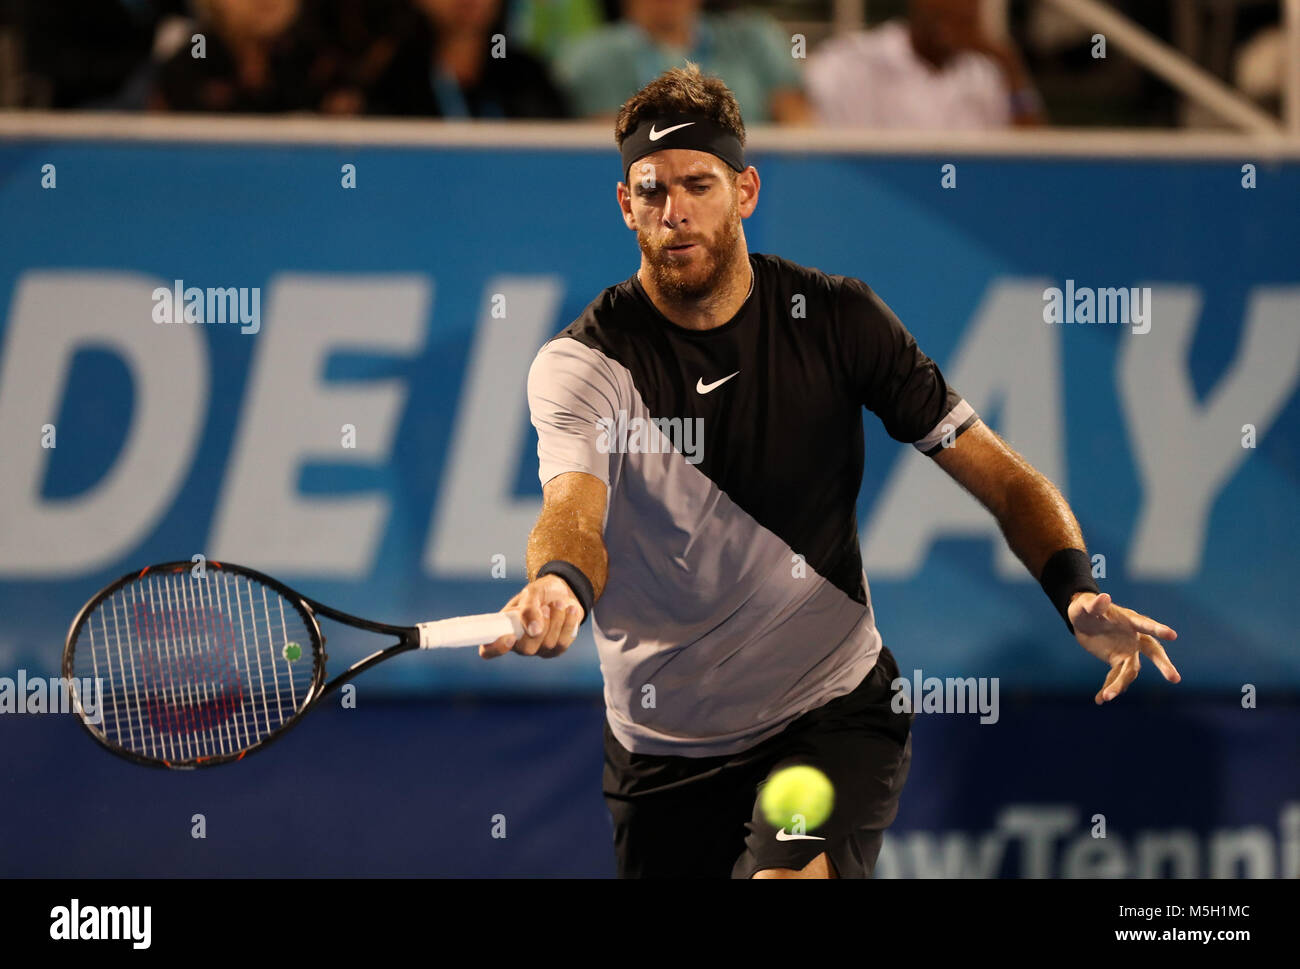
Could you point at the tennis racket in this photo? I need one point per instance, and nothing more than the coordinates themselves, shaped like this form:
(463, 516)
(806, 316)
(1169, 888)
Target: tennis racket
(201, 670)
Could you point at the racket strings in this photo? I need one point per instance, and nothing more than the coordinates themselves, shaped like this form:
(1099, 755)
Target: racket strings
(195, 667)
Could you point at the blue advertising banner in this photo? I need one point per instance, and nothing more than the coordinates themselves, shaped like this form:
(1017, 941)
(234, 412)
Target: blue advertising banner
(1055, 788)
(310, 360)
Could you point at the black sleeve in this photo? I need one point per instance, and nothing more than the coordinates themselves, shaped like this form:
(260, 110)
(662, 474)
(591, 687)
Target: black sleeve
(890, 375)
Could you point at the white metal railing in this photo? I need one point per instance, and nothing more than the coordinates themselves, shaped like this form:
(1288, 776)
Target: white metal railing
(541, 135)
(1176, 68)
(1158, 57)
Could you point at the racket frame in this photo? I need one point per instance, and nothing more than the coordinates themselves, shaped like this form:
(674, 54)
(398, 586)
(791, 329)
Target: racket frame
(408, 639)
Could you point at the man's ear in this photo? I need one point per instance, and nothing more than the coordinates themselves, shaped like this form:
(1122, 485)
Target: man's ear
(750, 176)
(625, 205)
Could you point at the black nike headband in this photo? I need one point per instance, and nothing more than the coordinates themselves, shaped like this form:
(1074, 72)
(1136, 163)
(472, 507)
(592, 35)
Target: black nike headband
(691, 131)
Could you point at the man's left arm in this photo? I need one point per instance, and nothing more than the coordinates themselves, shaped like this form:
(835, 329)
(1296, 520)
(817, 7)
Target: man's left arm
(1043, 533)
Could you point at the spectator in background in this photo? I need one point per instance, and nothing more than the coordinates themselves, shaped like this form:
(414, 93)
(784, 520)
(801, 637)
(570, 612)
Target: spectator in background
(937, 70)
(357, 42)
(1260, 66)
(444, 67)
(75, 53)
(544, 26)
(747, 50)
(254, 60)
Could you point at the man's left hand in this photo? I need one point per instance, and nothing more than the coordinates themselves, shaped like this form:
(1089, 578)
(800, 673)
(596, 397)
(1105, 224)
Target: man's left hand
(1118, 636)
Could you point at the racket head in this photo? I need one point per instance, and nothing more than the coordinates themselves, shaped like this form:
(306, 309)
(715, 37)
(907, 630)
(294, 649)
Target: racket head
(195, 667)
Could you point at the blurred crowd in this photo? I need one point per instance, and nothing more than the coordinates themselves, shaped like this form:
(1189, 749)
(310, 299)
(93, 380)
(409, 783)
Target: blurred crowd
(932, 64)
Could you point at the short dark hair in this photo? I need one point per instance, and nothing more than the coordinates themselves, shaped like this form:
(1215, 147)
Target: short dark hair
(682, 90)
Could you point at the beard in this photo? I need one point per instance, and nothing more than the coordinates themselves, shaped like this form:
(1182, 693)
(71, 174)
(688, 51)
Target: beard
(702, 272)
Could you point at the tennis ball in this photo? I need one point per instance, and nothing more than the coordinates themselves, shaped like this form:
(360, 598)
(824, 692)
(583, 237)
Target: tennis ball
(797, 791)
(292, 651)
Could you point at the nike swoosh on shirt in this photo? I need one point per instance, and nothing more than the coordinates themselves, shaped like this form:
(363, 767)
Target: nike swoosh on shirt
(656, 135)
(782, 836)
(702, 388)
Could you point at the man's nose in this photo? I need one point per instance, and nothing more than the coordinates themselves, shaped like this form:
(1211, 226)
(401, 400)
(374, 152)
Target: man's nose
(674, 210)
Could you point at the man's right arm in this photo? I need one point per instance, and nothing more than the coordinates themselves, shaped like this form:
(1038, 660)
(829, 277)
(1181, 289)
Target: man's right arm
(573, 392)
(569, 529)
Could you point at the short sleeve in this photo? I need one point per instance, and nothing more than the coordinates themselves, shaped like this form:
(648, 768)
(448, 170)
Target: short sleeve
(770, 53)
(890, 375)
(595, 72)
(573, 401)
(841, 80)
(991, 96)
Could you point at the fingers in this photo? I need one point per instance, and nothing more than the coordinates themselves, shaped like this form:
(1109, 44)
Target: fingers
(1145, 624)
(562, 621)
(502, 645)
(1099, 610)
(1088, 612)
(554, 626)
(574, 620)
(1121, 675)
(1152, 649)
(1099, 604)
(569, 619)
(1126, 670)
(1135, 620)
(536, 619)
(1104, 693)
(498, 647)
(550, 615)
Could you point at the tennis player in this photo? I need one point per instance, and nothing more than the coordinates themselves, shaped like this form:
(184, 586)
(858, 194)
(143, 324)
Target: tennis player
(701, 454)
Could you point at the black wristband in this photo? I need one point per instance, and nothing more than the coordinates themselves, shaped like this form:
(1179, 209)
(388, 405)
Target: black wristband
(577, 580)
(1067, 572)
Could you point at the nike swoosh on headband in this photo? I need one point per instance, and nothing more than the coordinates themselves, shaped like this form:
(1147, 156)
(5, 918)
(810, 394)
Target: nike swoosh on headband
(656, 135)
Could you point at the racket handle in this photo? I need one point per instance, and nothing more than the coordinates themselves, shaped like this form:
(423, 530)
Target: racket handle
(469, 630)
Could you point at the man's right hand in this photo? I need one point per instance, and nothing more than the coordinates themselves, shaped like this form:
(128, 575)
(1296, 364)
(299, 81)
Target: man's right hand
(551, 615)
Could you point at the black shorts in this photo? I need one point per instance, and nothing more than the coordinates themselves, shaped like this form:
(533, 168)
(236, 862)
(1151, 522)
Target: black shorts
(699, 817)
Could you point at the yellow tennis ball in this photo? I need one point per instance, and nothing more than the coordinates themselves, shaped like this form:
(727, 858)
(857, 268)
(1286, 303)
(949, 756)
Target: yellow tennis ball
(797, 792)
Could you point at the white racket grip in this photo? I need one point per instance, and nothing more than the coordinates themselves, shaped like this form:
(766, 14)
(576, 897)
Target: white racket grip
(469, 630)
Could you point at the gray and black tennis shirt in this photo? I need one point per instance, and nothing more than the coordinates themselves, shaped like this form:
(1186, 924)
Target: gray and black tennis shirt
(736, 599)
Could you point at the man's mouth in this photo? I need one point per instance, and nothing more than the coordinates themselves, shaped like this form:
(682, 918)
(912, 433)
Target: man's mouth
(681, 248)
